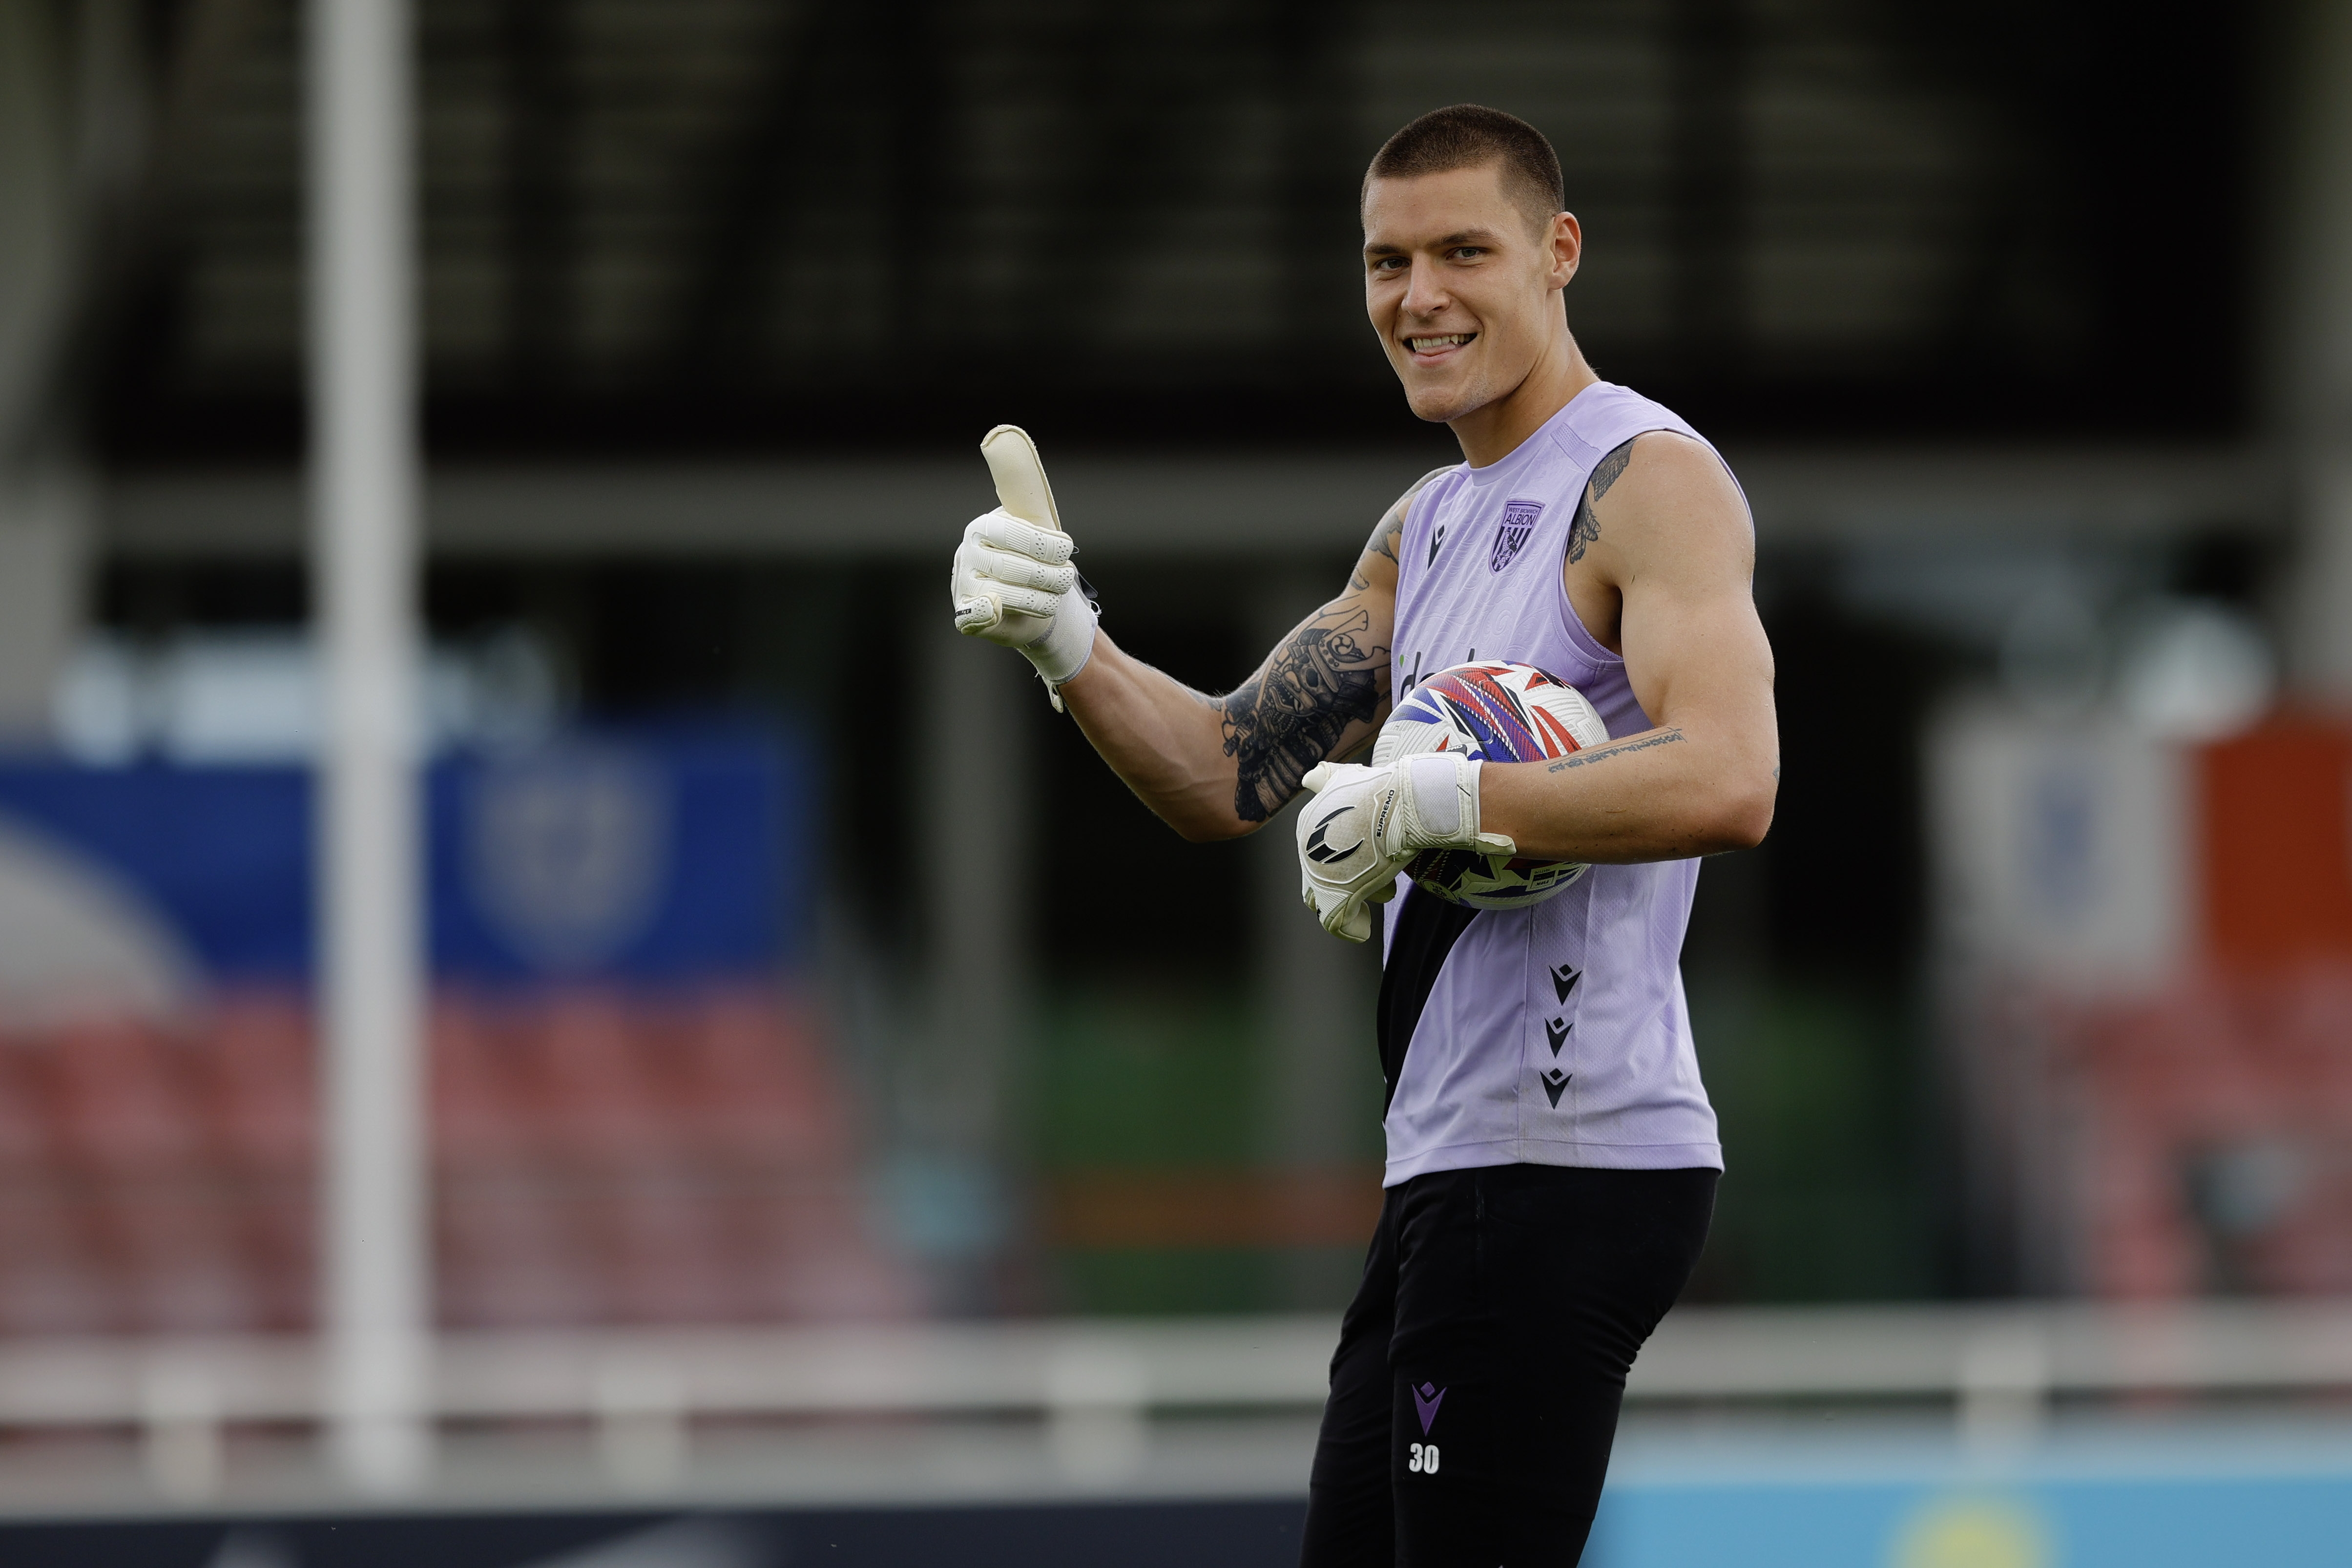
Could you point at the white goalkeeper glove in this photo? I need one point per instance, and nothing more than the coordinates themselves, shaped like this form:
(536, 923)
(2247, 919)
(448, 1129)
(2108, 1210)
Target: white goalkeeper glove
(1013, 584)
(1365, 824)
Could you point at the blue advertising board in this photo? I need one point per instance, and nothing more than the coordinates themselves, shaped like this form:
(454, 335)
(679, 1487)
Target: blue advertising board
(625, 855)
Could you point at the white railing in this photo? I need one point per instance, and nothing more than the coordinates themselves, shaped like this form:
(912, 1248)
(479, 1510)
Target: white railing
(1094, 1383)
(2000, 1366)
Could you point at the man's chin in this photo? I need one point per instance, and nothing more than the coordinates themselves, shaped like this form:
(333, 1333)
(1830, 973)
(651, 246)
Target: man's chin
(1440, 405)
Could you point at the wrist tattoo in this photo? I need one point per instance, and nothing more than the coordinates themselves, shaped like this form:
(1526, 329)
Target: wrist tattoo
(1603, 753)
(1288, 716)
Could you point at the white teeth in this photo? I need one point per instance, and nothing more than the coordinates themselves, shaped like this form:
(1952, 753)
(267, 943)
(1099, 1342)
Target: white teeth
(1446, 340)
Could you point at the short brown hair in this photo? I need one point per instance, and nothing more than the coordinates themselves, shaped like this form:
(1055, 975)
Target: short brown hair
(1468, 136)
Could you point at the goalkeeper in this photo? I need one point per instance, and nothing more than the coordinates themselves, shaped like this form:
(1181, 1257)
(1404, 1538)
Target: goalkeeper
(1551, 1155)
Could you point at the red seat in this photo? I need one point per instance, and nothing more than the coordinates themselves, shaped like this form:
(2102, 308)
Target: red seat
(598, 1157)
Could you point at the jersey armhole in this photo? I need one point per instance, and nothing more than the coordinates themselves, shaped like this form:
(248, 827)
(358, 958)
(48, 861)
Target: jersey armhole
(1571, 625)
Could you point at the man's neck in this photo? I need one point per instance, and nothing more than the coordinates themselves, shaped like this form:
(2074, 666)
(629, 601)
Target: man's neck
(1492, 432)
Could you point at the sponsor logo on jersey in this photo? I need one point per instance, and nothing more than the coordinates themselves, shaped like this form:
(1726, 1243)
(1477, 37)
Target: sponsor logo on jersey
(1519, 518)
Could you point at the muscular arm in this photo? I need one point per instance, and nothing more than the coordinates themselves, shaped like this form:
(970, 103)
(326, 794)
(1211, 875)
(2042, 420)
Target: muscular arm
(1663, 537)
(1218, 767)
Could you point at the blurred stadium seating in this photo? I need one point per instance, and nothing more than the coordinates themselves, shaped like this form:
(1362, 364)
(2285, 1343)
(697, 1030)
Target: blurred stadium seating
(599, 1158)
(636, 1115)
(2157, 944)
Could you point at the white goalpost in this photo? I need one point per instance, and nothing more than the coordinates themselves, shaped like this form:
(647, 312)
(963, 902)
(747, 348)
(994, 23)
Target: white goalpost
(374, 1296)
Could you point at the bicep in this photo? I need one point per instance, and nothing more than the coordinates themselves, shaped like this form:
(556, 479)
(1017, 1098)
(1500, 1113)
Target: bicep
(1698, 651)
(1693, 642)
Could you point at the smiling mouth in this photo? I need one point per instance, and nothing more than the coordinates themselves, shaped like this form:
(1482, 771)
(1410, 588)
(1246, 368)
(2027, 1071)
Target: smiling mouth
(1430, 345)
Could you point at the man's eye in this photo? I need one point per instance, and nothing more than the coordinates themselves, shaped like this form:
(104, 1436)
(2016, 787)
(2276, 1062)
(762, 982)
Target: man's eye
(1387, 264)
(1468, 252)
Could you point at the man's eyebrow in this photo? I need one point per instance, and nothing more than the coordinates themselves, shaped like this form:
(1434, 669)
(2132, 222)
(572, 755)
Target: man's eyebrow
(1460, 236)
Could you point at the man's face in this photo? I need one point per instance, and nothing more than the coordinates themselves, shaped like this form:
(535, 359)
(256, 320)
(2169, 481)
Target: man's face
(1463, 290)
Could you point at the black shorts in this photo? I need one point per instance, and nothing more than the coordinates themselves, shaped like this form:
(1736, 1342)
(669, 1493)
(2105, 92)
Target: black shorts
(1474, 1393)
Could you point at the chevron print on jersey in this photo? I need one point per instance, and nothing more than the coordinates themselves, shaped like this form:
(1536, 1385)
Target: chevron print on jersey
(1553, 1083)
(1564, 979)
(1556, 1032)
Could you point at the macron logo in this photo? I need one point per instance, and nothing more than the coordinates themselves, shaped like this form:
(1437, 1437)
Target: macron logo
(1425, 1401)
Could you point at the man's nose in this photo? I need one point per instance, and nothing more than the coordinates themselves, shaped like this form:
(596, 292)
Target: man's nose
(1425, 294)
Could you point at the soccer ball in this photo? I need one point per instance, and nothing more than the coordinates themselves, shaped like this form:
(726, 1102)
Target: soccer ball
(1492, 713)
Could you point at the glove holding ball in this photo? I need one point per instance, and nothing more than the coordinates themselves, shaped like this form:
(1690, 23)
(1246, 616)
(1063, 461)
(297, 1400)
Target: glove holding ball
(1366, 824)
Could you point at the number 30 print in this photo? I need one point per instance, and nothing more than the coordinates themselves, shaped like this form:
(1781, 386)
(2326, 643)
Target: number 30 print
(1423, 1460)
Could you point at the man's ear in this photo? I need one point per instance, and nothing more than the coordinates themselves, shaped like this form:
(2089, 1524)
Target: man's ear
(1567, 246)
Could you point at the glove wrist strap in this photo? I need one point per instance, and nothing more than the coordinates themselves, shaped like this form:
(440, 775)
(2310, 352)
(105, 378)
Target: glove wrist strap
(1068, 644)
(1446, 804)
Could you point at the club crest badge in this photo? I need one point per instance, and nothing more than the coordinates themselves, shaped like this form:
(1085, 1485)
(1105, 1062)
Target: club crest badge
(1511, 535)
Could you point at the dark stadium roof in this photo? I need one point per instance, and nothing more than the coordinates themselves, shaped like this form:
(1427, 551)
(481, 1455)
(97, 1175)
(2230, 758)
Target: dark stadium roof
(738, 225)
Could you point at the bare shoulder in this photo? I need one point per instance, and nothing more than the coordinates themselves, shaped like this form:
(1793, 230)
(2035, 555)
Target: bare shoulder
(1379, 562)
(1392, 524)
(1660, 501)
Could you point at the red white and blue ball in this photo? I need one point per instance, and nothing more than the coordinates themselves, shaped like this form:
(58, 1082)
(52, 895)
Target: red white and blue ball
(1492, 712)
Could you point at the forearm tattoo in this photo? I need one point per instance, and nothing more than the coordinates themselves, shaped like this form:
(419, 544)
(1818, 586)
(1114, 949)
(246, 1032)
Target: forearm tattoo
(1287, 717)
(1585, 527)
(1603, 753)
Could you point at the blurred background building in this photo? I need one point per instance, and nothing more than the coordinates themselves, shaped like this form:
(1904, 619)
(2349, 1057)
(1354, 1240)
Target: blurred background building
(779, 970)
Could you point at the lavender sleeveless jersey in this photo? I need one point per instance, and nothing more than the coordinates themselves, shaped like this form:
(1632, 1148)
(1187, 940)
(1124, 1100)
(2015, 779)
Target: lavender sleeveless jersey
(1556, 1034)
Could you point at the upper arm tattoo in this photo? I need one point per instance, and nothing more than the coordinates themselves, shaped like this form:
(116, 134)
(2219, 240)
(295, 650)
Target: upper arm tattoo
(1387, 534)
(1288, 716)
(1586, 526)
(1326, 676)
